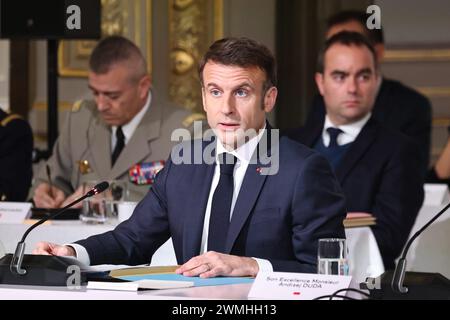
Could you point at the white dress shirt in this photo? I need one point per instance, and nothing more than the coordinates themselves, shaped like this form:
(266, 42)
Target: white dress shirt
(349, 131)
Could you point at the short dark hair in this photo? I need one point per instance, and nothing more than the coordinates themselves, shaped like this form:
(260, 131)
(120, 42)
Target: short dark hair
(375, 35)
(117, 49)
(348, 39)
(242, 52)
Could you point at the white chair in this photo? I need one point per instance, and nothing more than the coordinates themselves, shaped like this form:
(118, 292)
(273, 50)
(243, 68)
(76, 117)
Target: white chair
(429, 252)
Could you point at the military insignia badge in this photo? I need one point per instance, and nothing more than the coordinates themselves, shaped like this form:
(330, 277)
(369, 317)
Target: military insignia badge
(84, 167)
(145, 173)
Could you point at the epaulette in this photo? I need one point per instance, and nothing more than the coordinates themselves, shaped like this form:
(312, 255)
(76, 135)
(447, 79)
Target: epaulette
(9, 118)
(77, 106)
(192, 118)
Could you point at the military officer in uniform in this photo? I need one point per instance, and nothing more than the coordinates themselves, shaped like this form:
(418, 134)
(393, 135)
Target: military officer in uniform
(16, 148)
(126, 128)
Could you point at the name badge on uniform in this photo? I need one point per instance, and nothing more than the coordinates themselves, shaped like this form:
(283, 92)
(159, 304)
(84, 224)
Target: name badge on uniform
(145, 173)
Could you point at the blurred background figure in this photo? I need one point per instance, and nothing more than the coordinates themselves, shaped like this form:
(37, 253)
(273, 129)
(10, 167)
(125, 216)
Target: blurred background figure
(16, 147)
(376, 166)
(397, 106)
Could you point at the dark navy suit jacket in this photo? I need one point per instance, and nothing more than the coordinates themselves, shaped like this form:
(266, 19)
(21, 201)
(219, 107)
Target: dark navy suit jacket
(278, 217)
(379, 174)
(397, 107)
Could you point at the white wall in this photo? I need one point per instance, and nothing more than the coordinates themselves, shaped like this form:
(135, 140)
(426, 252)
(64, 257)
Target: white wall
(415, 21)
(251, 18)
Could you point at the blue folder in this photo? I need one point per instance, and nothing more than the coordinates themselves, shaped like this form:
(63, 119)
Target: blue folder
(198, 282)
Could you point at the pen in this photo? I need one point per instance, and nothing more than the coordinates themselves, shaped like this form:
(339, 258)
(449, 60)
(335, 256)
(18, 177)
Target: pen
(49, 177)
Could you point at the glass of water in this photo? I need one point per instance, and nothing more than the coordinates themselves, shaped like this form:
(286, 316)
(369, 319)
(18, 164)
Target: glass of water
(332, 257)
(103, 206)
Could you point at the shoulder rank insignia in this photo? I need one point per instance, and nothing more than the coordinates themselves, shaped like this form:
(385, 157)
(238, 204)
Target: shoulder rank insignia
(189, 120)
(145, 173)
(9, 118)
(77, 106)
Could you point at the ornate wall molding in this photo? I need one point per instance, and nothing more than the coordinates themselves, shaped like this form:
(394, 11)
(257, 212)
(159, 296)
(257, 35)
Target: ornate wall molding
(417, 55)
(193, 25)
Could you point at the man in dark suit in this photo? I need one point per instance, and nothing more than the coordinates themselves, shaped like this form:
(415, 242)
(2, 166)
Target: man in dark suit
(396, 106)
(238, 216)
(16, 148)
(376, 166)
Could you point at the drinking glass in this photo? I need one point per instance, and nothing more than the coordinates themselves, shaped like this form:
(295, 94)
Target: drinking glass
(332, 257)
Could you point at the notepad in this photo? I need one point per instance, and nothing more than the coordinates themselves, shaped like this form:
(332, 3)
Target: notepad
(138, 285)
(359, 219)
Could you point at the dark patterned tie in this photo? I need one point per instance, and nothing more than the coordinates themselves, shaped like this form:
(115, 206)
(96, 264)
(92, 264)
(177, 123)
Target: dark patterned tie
(221, 204)
(120, 144)
(334, 134)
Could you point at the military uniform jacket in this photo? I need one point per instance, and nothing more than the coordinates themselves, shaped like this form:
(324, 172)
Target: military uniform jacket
(83, 150)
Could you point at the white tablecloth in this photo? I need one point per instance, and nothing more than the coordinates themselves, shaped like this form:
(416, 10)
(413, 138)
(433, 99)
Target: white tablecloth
(364, 256)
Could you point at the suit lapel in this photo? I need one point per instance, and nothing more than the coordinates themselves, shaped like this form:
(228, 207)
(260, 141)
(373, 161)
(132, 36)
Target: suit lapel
(99, 137)
(138, 148)
(193, 226)
(357, 150)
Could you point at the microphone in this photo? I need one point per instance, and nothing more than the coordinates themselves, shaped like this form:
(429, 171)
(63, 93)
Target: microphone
(42, 270)
(391, 285)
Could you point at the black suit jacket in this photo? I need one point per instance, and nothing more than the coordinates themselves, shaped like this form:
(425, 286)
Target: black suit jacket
(397, 107)
(379, 174)
(16, 147)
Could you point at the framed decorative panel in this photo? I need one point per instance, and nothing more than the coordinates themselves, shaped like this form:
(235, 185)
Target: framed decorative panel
(129, 18)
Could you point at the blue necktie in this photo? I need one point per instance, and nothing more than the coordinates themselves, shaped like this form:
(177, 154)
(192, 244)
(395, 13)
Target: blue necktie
(219, 220)
(334, 134)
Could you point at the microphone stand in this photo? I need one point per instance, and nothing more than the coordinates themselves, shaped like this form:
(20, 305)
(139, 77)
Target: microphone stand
(402, 285)
(400, 269)
(16, 262)
(43, 270)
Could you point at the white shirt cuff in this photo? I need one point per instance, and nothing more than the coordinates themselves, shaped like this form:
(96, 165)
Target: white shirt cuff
(264, 265)
(81, 253)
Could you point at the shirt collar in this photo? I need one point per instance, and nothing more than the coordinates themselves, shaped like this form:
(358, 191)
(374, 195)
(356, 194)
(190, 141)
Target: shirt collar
(350, 131)
(129, 128)
(245, 152)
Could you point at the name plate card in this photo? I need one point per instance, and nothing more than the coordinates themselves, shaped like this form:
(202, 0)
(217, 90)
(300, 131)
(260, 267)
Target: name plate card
(296, 286)
(14, 212)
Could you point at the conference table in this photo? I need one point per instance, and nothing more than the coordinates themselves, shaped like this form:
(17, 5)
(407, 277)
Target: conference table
(363, 253)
